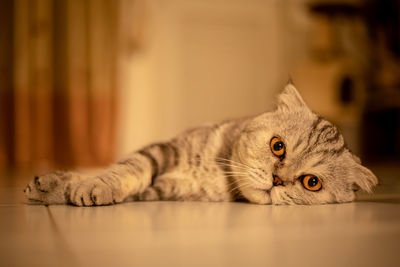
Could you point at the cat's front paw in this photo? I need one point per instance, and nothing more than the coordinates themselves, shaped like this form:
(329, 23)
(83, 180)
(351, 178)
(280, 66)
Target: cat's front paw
(48, 188)
(92, 192)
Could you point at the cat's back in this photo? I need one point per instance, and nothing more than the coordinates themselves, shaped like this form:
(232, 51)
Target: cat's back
(211, 139)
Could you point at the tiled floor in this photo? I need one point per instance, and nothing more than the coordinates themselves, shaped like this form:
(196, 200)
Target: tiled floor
(365, 233)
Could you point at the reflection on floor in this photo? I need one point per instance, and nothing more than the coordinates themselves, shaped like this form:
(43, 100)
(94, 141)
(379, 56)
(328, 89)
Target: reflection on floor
(364, 233)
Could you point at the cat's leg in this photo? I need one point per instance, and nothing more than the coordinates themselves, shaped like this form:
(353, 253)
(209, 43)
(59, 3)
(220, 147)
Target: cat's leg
(123, 179)
(52, 188)
(170, 187)
(112, 185)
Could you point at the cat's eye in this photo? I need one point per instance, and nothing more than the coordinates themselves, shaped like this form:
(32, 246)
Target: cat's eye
(311, 182)
(277, 147)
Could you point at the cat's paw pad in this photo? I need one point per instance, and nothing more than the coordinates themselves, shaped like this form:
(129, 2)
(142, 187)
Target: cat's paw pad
(92, 193)
(47, 189)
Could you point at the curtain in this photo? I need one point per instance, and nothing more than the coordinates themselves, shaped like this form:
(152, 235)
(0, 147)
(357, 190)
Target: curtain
(59, 81)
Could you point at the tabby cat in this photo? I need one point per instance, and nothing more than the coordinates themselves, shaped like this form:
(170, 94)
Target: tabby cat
(288, 156)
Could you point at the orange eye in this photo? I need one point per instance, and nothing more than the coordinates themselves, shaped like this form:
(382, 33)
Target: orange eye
(311, 182)
(277, 147)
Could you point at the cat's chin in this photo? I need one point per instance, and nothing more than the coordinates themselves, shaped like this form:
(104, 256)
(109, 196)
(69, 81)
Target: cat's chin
(257, 196)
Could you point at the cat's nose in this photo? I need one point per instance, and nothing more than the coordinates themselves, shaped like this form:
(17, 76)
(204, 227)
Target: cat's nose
(277, 181)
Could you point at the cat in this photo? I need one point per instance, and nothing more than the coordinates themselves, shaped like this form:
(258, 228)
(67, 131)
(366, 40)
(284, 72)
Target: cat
(289, 155)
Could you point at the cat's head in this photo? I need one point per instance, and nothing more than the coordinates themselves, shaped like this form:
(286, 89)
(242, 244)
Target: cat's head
(294, 156)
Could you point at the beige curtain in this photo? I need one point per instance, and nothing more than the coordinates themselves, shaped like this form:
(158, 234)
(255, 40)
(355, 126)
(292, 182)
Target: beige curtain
(59, 80)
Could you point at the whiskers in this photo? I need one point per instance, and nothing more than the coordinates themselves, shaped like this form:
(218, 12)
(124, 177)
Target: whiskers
(230, 163)
(237, 184)
(244, 174)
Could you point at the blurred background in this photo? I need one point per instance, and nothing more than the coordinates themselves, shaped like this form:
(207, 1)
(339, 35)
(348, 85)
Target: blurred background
(84, 82)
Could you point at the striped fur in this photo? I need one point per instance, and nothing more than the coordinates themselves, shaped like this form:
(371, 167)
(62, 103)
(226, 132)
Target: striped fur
(228, 161)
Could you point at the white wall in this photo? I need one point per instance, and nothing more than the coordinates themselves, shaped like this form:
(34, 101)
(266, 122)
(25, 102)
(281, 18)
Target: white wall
(203, 61)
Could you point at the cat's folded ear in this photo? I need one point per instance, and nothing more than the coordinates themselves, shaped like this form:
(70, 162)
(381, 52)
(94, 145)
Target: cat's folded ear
(290, 99)
(363, 179)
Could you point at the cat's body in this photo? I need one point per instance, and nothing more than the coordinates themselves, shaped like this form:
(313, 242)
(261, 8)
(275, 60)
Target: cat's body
(287, 156)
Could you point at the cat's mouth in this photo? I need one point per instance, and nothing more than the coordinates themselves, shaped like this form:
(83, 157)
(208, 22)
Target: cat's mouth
(268, 191)
(263, 195)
